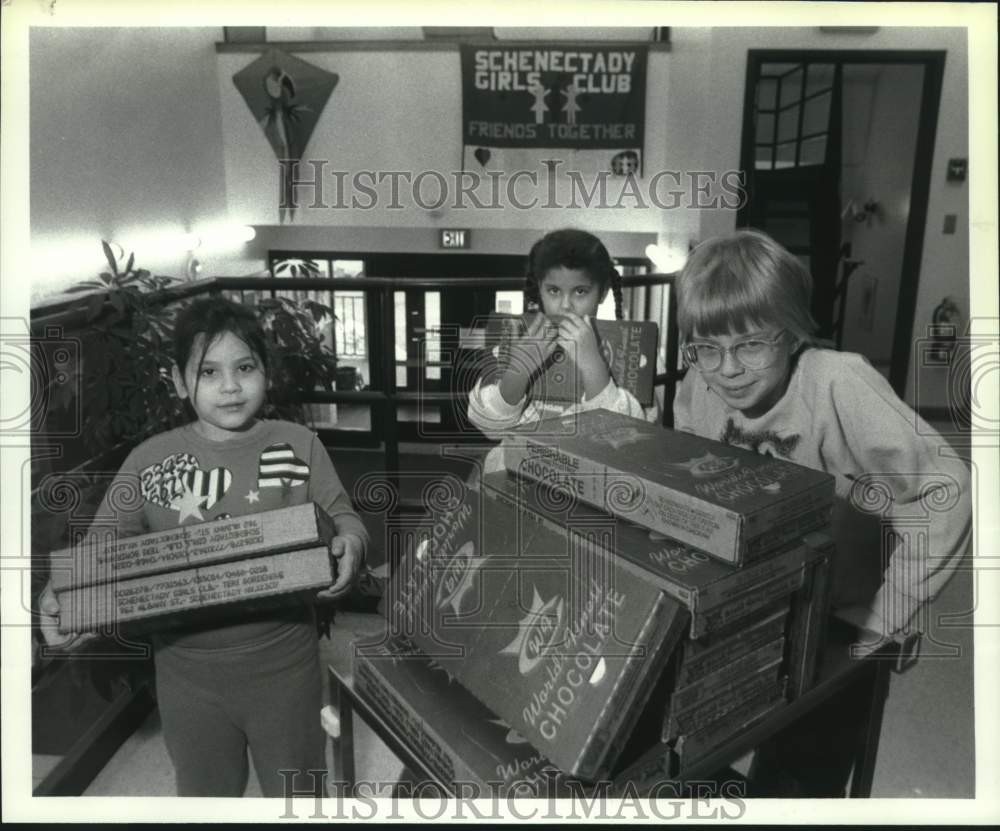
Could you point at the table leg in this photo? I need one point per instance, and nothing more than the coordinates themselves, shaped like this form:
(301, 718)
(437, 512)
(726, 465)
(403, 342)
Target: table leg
(343, 747)
(871, 730)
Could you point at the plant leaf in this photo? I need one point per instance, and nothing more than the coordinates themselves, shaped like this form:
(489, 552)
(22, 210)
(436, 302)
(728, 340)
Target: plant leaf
(110, 257)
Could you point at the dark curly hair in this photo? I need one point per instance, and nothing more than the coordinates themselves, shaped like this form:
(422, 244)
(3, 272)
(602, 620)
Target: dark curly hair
(576, 249)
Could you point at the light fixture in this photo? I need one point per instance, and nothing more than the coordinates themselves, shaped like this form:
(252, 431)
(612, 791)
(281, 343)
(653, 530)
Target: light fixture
(225, 236)
(848, 30)
(190, 242)
(665, 260)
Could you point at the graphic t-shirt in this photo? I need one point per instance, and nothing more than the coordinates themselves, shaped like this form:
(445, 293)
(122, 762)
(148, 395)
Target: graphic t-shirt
(180, 477)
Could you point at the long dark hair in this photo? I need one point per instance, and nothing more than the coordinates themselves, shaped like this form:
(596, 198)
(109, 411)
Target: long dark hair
(576, 249)
(209, 319)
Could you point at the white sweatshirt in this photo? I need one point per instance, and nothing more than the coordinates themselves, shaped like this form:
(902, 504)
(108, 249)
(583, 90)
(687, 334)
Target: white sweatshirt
(494, 417)
(893, 472)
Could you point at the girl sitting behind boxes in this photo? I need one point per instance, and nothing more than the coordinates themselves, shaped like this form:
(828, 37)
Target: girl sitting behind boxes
(569, 274)
(254, 682)
(759, 380)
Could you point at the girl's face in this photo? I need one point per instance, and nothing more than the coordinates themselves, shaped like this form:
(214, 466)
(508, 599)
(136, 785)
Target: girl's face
(227, 390)
(573, 290)
(751, 391)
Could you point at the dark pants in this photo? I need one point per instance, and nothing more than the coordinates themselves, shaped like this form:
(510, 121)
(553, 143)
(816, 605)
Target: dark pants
(215, 703)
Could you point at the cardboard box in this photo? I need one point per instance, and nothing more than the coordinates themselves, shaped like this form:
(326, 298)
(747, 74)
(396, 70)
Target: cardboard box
(727, 677)
(628, 346)
(703, 584)
(711, 709)
(725, 501)
(176, 596)
(701, 657)
(100, 556)
(666, 761)
(551, 633)
(458, 737)
(691, 747)
(752, 602)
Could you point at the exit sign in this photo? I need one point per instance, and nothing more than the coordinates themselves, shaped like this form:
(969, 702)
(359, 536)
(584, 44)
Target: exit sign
(455, 238)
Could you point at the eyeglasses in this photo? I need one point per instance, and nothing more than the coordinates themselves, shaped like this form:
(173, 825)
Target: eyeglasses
(756, 353)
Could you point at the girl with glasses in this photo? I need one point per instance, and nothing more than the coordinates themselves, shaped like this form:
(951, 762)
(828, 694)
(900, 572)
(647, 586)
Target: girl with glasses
(759, 379)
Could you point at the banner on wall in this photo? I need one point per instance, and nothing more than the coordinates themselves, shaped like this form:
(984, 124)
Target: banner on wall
(525, 104)
(286, 96)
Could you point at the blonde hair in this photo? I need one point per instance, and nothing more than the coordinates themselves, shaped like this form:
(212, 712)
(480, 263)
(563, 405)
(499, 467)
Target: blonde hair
(744, 279)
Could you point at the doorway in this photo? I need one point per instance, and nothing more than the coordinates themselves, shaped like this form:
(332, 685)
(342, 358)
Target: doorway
(837, 148)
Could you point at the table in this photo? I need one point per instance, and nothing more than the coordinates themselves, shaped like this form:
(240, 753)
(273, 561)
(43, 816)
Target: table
(838, 672)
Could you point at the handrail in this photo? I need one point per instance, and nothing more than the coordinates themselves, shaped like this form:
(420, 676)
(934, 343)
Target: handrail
(67, 311)
(384, 398)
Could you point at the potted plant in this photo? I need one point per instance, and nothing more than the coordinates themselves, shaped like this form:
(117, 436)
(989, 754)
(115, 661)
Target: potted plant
(123, 380)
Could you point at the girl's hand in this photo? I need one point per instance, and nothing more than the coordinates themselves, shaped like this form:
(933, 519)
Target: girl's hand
(579, 341)
(48, 612)
(527, 354)
(348, 550)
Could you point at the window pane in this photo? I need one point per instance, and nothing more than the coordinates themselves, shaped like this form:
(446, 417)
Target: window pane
(817, 115)
(788, 124)
(348, 268)
(766, 91)
(813, 151)
(432, 336)
(786, 155)
(340, 416)
(765, 127)
(509, 302)
(399, 314)
(301, 267)
(399, 317)
(819, 76)
(763, 156)
(352, 340)
(419, 413)
(791, 87)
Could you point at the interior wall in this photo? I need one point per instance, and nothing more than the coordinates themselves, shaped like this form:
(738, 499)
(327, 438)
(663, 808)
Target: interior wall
(126, 145)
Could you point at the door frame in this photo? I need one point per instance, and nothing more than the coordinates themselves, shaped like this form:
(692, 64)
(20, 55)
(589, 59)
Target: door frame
(930, 100)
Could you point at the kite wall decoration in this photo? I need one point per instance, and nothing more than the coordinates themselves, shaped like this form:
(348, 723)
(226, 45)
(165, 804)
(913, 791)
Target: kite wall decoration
(286, 96)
